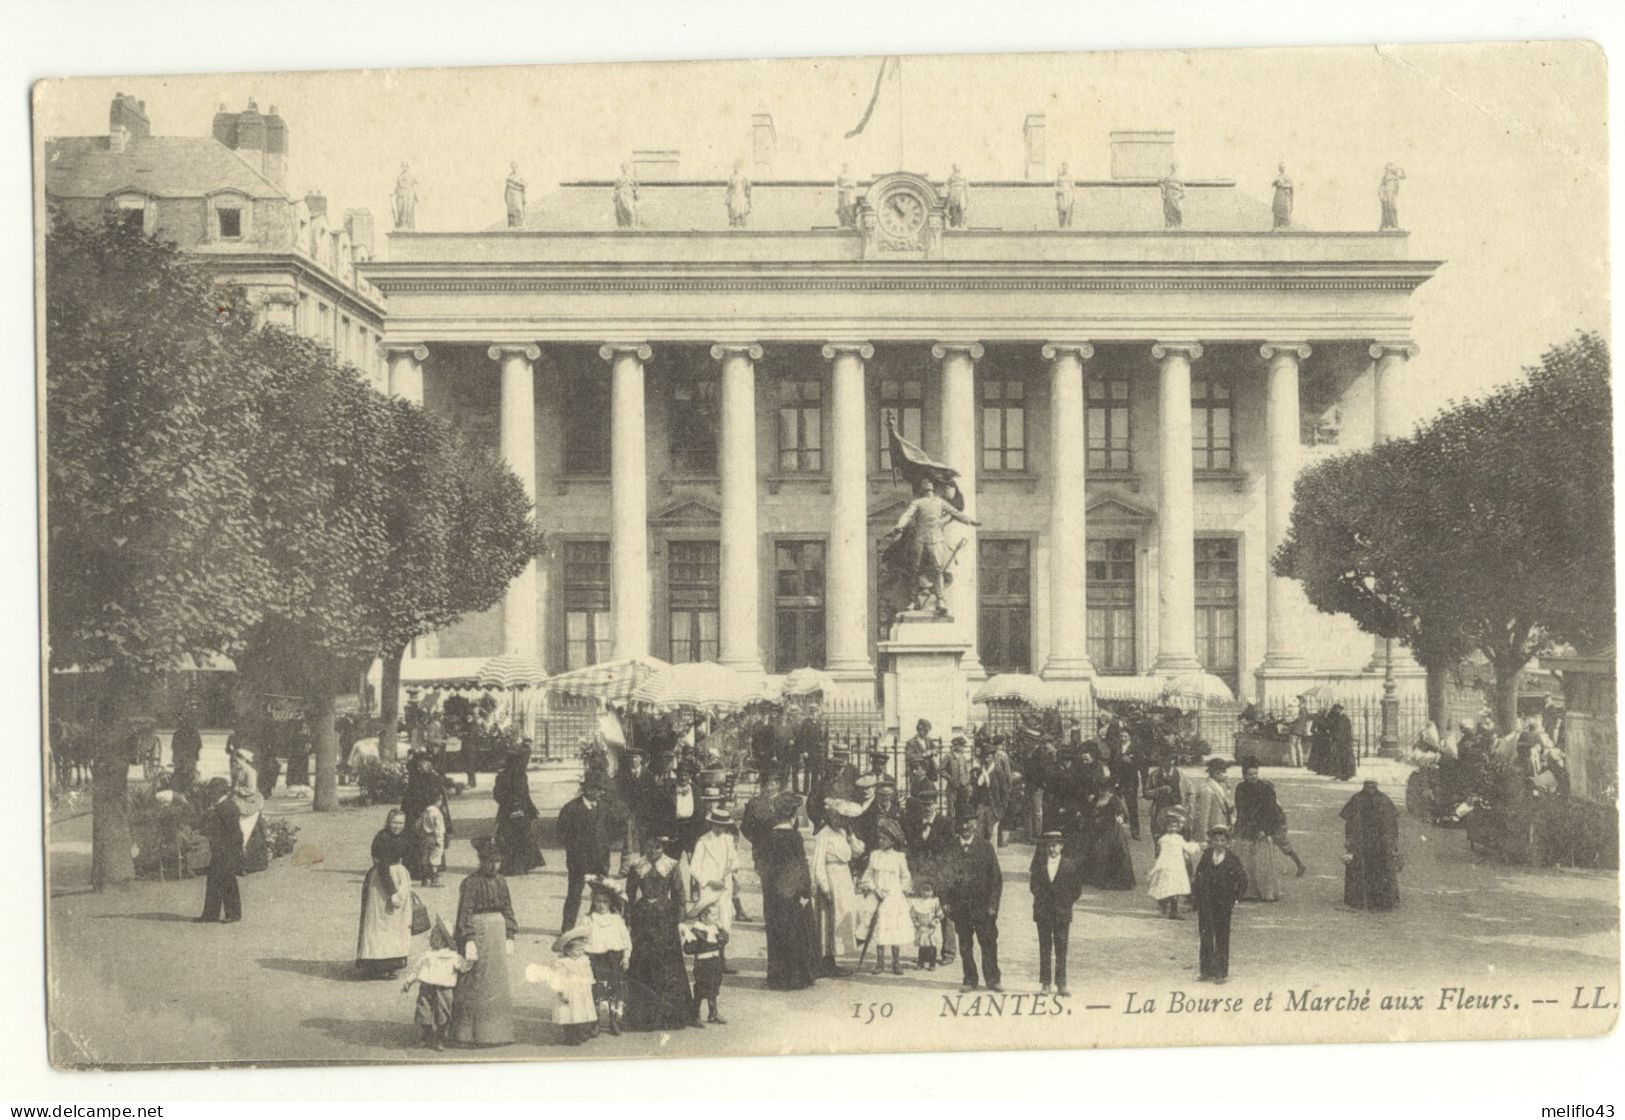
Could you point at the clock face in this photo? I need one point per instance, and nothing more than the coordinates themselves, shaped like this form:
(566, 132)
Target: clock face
(901, 215)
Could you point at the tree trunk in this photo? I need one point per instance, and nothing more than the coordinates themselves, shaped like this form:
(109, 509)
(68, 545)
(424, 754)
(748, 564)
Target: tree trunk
(1438, 685)
(1506, 698)
(389, 703)
(110, 860)
(322, 707)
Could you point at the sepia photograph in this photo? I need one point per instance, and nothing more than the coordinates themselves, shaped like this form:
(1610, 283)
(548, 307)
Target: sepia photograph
(862, 554)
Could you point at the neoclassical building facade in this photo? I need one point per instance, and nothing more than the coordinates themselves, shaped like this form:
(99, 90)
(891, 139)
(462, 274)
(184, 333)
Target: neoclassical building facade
(699, 406)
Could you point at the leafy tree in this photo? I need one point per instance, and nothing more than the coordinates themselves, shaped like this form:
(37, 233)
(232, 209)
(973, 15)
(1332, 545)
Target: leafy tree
(153, 543)
(1490, 529)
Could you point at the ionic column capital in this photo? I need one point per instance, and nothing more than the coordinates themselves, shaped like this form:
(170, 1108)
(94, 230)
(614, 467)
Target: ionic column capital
(1191, 350)
(862, 349)
(609, 351)
(1404, 349)
(500, 350)
(722, 350)
(941, 350)
(416, 349)
(1270, 350)
(1053, 350)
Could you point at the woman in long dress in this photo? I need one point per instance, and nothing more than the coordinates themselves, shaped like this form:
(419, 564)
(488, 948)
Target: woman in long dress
(787, 890)
(1107, 863)
(887, 880)
(1260, 830)
(834, 901)
(385, 937)
(483, 1012)
(657, 992)
(515, 812)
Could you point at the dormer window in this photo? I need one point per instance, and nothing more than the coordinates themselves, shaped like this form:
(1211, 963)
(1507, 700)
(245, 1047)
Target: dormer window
(229, 217)
(231, 221)
(133, 211)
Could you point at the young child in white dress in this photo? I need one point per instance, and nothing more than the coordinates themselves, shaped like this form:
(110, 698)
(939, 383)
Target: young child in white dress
(887, 882)
(925, 908)
(1170, 878)
(607, 948)
(431, 844)
(570, 980)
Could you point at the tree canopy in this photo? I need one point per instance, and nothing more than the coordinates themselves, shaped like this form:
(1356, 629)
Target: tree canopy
(1489, 529)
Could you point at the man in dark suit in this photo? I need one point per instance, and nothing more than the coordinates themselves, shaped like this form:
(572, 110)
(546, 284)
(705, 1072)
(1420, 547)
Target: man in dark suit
(221, 900)
(1056, 881)
(584, 831)
(971, 888)
(1215, 888)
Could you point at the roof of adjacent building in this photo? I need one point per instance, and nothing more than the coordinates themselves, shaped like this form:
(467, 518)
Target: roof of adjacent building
(160, 166)
(1116, 205)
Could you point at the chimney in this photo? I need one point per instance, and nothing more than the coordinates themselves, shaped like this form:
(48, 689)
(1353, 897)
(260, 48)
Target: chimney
(654, 164)
(251, 134)
(1141, 154)
(225, 126)
(359, 223)
(1032, 134)
(276, 149)
(763, 141)
(317, 205)
(126, 118)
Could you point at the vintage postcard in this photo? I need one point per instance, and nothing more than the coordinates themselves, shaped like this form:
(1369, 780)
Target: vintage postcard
(809, 556)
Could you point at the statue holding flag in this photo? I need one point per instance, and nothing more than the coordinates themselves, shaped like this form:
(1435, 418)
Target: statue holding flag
(913, 563)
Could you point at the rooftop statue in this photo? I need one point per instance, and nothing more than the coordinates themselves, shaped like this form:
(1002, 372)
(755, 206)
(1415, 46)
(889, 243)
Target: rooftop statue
(513, 194)
(1282, 206)
(1173, 199)
(738, 197)
(1065, 197)
(916, 563)
(1388, 193)
(626, 199)
(846, 198)
(406, 199)
(958, 199)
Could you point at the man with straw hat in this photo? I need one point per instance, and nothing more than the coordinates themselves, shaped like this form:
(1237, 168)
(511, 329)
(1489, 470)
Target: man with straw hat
(714, 866)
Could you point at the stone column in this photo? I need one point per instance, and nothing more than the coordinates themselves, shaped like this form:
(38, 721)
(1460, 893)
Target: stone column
(740, 623)
(846, 591)
(1389, 360)
(406, 369)
(521, 625)
(1176, 511)
(960, 451)
(628, 499)
(1283, 434)
(1068, 632)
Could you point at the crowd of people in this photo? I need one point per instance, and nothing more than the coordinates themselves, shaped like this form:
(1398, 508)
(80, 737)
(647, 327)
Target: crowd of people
(887, 883)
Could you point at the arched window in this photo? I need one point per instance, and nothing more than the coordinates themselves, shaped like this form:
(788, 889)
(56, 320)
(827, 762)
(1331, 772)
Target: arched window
(135, 210)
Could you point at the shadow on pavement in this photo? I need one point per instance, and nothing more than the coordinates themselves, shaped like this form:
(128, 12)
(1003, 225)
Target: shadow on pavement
(325, 970)
(370, 1033)
(149, 916)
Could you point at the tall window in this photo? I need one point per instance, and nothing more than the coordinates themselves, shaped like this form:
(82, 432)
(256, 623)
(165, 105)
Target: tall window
(231, 221)
(798, 605)
(586, 602)
(1004, 632)
(693, 424)
(1110, 582)
(1106, 397)
(586, 425)
(693, 584)
(1004, 425)
(1210, 424)
(801, 426)
(1216, 607)
(901, 398)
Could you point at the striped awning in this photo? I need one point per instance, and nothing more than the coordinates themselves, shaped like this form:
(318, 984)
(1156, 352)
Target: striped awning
(511, 671)
(1014, 688)
(613, 682)
(701, 685)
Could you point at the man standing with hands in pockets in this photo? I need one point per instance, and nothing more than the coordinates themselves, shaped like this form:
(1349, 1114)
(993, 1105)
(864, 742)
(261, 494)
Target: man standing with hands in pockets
(972, 886)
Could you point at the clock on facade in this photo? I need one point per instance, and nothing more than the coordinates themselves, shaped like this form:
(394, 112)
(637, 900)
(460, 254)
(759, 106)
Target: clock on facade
(901, 216)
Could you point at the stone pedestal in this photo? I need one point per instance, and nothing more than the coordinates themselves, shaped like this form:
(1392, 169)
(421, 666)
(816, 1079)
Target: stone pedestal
(923, 674)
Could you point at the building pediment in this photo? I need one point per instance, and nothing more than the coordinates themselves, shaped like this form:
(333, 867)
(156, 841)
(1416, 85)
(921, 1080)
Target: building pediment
(687, 511)
(1114, 508)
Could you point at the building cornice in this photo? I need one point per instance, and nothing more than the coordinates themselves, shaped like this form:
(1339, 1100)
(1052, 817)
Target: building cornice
(306, 272)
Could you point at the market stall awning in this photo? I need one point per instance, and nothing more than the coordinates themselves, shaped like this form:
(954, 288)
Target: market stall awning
(702, 686)
(512, 671)
(1014, 688)
(442, 672)
(610, 681)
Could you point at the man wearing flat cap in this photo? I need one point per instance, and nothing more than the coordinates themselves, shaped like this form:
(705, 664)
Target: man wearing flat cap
(1218, 884)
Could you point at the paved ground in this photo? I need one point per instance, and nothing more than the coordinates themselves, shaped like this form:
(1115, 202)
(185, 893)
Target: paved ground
(134, 981)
